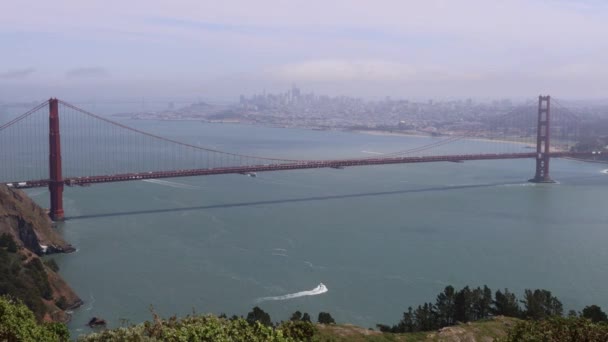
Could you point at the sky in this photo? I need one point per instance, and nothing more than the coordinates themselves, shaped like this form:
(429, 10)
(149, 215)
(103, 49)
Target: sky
(218, 50)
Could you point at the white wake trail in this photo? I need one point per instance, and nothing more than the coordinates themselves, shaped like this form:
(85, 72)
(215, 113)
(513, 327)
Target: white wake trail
(320, 289)
(605, 171)
(36, 194)
(171, 184)
(91, 303)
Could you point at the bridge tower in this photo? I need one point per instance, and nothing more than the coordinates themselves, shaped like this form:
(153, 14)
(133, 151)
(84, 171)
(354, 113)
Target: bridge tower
(543, 141)
(55, 175)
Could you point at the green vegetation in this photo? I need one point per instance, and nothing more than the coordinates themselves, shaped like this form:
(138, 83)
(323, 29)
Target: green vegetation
(52, 264)
(540, 304)
(467, 305)
(259, 315)
(256, 327)
(325, 318)
(571, 329)
(18, 324)
(484, 330)
(595, 314)
(6, 241)
(22, 279)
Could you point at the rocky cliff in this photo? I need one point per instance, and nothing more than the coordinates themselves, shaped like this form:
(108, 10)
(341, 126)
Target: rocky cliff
(29, 224)
(26, 274)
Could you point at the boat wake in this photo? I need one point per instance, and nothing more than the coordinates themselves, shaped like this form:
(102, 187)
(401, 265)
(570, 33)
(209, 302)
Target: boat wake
(605, 171)
(91, 303)
(36, 194)
(320, 289)
(171, 184)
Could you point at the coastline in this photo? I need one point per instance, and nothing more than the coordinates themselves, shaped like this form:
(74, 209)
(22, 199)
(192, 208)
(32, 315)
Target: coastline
(414, 135)
(590, 161)
(347, 130)
(35, 237)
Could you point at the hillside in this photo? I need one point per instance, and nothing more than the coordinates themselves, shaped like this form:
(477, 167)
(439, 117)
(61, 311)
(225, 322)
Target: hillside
(210, 328)
(486, 331)
(26, 234)
(28, 223)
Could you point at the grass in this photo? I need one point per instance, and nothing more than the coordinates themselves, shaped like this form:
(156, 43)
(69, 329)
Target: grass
(486, 330)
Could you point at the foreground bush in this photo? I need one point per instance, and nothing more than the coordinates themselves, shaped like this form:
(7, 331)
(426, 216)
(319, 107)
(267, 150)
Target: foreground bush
(558, 329)
(18, 324)
(199, 328)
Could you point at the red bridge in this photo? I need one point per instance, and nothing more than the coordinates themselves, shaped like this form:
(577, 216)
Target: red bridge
(131, 149)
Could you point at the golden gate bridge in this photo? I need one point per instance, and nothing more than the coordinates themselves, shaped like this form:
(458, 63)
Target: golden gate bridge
(100, 150)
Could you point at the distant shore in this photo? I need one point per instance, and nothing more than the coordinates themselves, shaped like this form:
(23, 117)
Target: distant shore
(419, 135)
(590, 161)
(375, 132)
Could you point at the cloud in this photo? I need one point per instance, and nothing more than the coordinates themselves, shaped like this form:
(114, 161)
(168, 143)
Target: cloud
(17, 74)
(499, 47)
(91, 72)
(336, 70)
(579, 70)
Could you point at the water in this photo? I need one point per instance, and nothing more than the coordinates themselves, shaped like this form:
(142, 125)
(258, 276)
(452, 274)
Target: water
(380, 238)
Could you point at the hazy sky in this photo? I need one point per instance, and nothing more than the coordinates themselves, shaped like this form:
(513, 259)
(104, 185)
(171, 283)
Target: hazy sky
(219, 49)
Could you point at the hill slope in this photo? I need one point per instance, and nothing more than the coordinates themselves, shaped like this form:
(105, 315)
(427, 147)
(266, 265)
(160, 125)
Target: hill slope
(27, 233)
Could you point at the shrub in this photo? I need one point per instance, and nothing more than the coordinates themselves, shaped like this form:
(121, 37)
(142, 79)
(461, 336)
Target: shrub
(558, 329)
(298, 330)
(7, 241)
(192, 328)
(52, 264)
(18, 323)
(325, 318)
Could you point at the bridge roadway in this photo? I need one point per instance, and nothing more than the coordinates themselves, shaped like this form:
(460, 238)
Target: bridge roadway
(314, 164)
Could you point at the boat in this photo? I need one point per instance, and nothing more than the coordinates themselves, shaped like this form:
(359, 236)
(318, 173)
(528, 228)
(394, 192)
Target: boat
(250, 174)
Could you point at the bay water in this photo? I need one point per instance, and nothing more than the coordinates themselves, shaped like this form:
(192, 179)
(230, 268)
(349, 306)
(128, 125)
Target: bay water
(380, 238)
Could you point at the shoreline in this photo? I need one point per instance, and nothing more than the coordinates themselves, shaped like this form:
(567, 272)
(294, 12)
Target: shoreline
(414, 135)
(348, 130)
(589, 161)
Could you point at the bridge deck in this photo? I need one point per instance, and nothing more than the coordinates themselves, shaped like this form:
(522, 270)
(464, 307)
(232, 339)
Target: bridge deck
(83, 181)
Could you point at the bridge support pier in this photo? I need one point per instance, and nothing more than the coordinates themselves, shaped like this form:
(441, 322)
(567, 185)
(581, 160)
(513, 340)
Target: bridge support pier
(55, 174)
(543, 141)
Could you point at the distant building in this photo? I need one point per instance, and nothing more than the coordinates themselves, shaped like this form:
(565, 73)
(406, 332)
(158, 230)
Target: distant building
(295, 92)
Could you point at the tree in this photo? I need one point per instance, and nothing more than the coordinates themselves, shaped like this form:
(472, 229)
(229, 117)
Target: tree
(259, 315)
(595, 314)
(325, 318)
(506, 304)
(6, 240)
(306, 317)
(482, 305)
(463, 305)
(445, 306)
(541, 304)
(425, 317)
(407, 323)
(296, 316)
